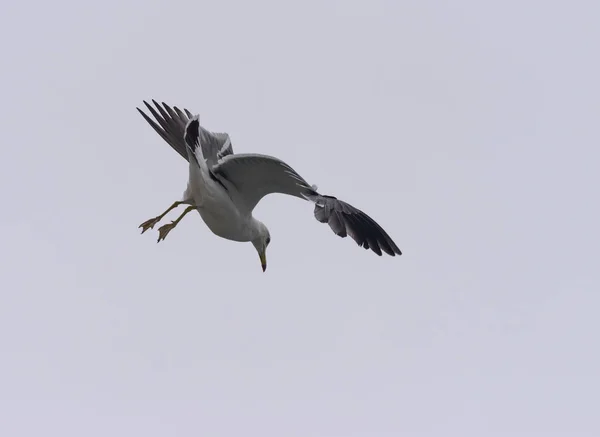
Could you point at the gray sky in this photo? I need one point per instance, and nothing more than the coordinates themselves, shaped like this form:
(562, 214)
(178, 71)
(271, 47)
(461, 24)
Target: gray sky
(467, 129)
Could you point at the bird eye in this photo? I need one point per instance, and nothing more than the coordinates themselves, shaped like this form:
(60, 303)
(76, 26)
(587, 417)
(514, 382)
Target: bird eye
(268, 240)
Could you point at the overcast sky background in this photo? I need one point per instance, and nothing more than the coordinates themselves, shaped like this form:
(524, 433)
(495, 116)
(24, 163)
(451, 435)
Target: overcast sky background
(467, 129)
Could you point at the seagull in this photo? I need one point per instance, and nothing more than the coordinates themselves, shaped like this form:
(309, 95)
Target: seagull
(225, 187)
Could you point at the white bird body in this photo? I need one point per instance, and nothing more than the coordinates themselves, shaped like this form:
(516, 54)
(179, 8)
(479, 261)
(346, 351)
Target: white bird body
(214, 205)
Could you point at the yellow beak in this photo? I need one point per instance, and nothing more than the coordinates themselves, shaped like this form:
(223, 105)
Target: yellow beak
(263, 260)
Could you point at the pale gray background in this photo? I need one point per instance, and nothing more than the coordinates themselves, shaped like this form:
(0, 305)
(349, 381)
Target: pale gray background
(468, 129)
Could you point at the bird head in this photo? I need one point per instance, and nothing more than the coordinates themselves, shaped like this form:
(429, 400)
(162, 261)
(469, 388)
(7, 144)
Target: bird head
(260, 244)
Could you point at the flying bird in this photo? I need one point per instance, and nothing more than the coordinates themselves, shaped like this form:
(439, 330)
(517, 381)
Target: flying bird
(225, 187)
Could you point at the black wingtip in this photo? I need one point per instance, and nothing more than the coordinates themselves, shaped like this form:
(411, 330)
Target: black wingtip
(192, 132)
(344, 219)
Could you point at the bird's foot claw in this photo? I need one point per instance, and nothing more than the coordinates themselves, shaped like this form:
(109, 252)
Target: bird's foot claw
(164, 230)
(149, 224)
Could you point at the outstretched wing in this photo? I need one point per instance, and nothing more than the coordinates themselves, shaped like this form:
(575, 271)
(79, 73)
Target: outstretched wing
(250, 177)
(344, 219)
(170, 125)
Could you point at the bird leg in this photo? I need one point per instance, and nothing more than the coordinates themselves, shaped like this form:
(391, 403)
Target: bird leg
(149, 224)
(164, 230)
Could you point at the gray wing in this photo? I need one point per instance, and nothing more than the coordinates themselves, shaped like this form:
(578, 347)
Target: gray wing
(170, 125)
(250, 177)
(344, 219)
